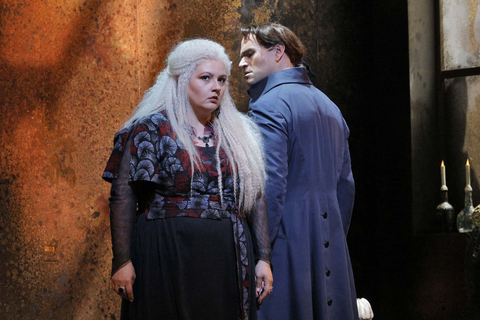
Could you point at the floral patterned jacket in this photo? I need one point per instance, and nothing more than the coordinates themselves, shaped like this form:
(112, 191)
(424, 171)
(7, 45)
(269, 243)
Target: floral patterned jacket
(158, 157)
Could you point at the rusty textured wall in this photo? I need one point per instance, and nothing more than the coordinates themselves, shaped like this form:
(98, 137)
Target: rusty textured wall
(70, 73)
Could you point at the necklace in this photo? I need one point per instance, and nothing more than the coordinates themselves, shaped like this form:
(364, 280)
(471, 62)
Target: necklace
(205, 139)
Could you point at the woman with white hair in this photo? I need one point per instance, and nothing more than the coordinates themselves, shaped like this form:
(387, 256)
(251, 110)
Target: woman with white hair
(188, 213)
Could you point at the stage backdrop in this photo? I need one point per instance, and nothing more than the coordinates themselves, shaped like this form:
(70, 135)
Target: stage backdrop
(71, 72)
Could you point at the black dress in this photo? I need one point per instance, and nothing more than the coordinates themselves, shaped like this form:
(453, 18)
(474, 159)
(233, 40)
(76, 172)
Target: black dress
(193, 254)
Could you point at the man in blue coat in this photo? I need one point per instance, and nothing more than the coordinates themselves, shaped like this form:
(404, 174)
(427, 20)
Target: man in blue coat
(310, 188)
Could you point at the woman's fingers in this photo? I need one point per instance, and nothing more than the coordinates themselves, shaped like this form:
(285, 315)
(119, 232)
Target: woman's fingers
(122, 281)
(259, 286)
(129, 292)
(124, 289)
(267, 290)
(264, 280)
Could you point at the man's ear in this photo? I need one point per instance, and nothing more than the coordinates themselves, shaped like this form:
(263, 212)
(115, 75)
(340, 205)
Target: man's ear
(279, 52)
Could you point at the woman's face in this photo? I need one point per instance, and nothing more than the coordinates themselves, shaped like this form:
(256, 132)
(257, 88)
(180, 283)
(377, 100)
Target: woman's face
(206, 87)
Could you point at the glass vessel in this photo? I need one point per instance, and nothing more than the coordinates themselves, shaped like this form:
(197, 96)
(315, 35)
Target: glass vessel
(464, 218)
(445, 219)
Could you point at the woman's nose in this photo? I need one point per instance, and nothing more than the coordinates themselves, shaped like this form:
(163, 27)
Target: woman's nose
(216, 86)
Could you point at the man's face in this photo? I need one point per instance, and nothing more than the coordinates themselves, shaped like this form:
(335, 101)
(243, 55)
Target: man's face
(256, 61)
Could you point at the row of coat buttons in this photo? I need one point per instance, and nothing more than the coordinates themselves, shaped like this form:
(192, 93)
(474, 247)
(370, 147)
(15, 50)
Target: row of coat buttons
(326, 244)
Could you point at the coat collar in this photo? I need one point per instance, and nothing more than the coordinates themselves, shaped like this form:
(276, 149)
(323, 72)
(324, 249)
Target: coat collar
(290, 75)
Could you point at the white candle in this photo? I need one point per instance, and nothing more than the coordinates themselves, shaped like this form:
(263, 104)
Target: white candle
(467, 172)
(442, 173)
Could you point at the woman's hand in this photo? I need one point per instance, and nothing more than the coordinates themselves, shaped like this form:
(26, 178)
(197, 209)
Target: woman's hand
(264, 278)
(124, 278)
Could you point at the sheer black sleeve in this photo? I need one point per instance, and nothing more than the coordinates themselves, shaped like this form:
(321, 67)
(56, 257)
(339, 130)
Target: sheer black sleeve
(258, 221)
(123, 204)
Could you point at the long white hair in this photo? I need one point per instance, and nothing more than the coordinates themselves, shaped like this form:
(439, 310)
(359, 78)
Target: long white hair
(236, 134)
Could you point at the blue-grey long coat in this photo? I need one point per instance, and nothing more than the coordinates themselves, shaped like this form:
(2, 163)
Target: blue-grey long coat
(310, 193)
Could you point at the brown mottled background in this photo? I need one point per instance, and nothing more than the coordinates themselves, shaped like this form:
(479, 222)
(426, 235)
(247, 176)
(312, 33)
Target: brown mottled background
(72, 71)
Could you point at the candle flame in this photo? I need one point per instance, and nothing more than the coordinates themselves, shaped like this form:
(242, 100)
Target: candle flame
(468, 163)
(442, 164)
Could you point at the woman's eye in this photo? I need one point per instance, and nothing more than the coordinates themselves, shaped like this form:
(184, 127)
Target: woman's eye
(222, 80)
(205, 78)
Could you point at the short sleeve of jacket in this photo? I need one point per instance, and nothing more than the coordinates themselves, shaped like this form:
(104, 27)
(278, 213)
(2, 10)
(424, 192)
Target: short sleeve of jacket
(152, 147)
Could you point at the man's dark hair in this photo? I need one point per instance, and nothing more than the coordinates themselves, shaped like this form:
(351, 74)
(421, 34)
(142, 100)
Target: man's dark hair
(269, 35)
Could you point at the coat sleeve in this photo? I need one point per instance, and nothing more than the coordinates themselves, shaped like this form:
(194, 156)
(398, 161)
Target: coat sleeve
(273, 127)
(346, 185)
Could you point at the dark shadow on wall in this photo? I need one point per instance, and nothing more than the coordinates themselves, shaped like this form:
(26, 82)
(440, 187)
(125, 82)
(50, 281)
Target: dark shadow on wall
(27, 88)
(456, 103)
(23, 90)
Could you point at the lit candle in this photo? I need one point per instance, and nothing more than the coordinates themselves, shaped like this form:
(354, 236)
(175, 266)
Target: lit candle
(442, 173)
(467, 171)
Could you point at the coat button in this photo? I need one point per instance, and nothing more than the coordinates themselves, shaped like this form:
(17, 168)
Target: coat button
(329, 302)
(326, 244)
(325, 215)
(328, 273)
